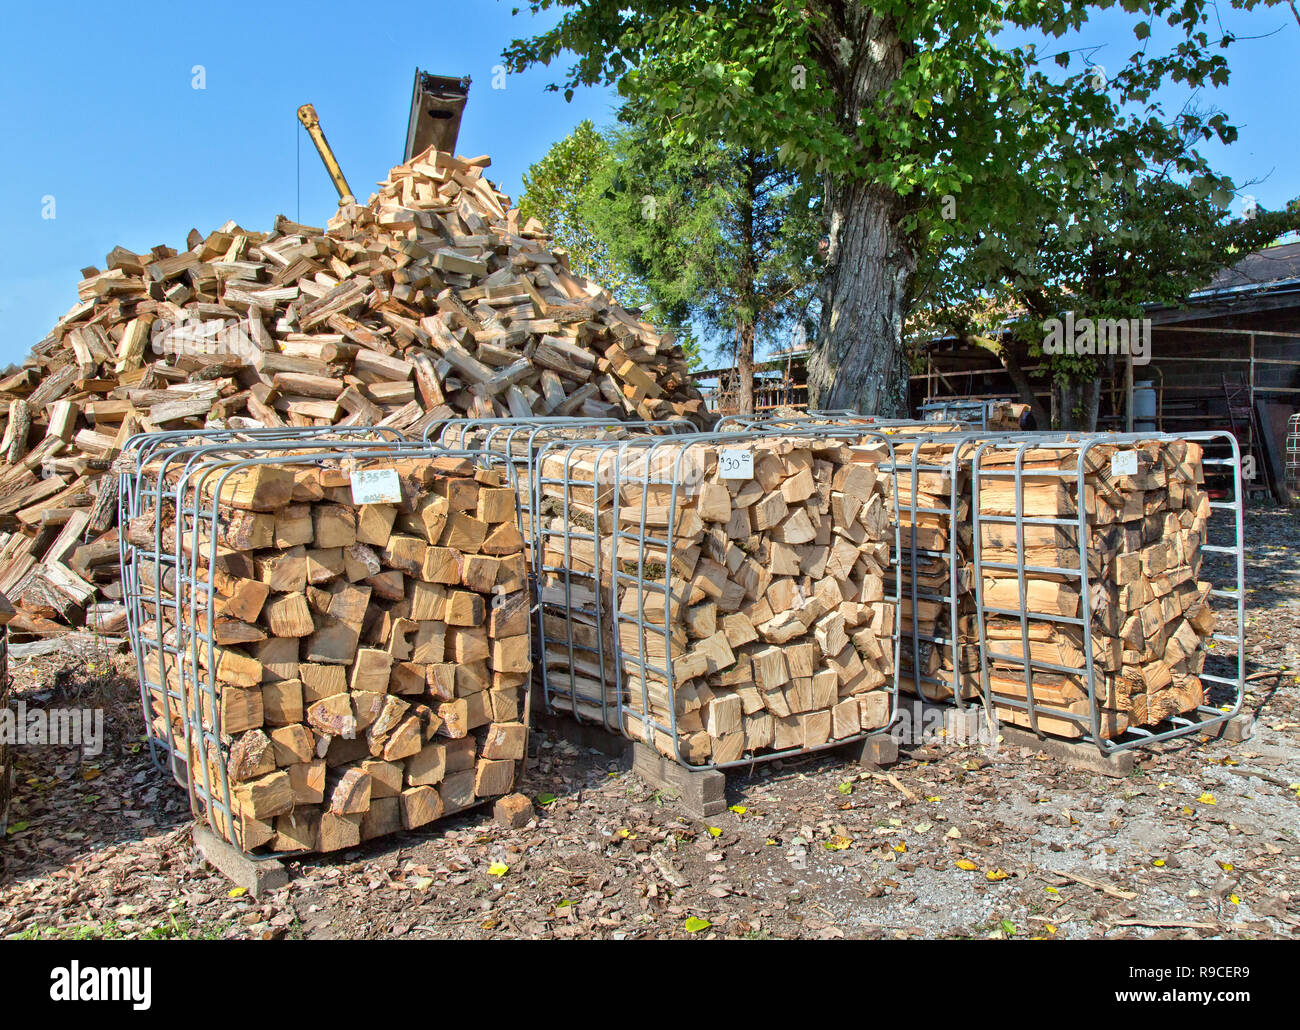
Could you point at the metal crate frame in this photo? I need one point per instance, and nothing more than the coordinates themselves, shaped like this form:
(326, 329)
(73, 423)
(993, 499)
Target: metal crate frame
(562, 699)
(1207, 718)
(214, 463)
(181, 448)
(1293, 457)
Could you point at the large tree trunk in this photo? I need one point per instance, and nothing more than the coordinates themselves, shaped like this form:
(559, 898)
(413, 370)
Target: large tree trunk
(745, 369)
(859, 361)
(1006, 353)
(1077, 403)
(1091, 404)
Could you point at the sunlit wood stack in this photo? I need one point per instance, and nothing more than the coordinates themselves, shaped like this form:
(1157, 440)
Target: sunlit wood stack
(431, 301)
(928, 517)
(1149, 614)
(1006, 416)
(371, 660)
(773, 613)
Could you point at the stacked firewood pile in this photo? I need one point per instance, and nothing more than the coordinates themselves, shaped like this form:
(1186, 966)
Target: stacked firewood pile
(1150, 617)
(770, 626)
(1149, 614)
(370, 660)
(431, 301)
(1007, 416)
(929, 514)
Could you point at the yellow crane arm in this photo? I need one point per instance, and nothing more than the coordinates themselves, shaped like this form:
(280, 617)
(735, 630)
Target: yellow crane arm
(307, 115)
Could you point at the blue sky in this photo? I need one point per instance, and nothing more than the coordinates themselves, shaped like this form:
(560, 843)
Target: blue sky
(1260, 98)
(100, 114)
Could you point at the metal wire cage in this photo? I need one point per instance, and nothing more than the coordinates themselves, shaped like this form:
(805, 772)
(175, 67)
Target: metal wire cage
(1067, 636)
(171, 578)
(1293, 458)
(519, 440)
(947, 651)
(613, 580)
(149, 469)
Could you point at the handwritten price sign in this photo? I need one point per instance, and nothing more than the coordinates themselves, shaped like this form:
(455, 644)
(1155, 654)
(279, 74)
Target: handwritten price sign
(375, 486)
(736, 464)
(1124, 463)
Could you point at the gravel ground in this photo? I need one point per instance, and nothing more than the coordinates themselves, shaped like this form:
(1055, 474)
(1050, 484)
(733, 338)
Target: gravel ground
(954, 841)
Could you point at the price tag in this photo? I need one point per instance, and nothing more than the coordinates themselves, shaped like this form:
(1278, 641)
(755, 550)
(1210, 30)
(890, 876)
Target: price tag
(376, 486)
(736, 464)
(1124, 463)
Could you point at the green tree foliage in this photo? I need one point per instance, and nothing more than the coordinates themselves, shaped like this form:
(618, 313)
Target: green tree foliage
(558, 192)
(1118, 246)
(901, 106)
(711, 240)
(723, 238)
(555, 189)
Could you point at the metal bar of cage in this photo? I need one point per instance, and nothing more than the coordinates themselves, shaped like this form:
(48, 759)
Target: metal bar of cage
(1206, 717)
(1293, 457)
(618, 454)
(911, 551)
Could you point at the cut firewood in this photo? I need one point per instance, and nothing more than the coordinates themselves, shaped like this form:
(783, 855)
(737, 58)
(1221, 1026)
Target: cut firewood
(1149, 612)
(738, 621)
(423, 304)
(342, 710)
